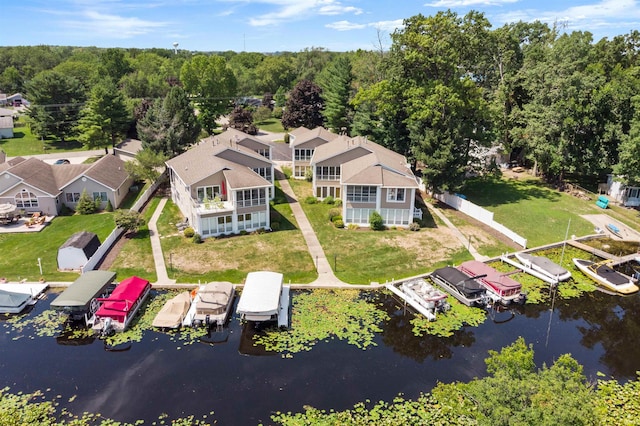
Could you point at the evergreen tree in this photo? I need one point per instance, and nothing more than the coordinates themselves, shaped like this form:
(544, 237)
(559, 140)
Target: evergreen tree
(104, 118)
(336, 82)
(304, 106)
(171, 126)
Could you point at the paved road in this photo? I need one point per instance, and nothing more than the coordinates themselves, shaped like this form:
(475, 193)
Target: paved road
(74, 157)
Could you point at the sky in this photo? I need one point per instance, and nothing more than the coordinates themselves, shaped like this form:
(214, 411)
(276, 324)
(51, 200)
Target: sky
(279, 25)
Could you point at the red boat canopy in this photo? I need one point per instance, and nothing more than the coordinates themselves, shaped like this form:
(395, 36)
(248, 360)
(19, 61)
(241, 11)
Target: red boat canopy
(122, 299)
(499, 282)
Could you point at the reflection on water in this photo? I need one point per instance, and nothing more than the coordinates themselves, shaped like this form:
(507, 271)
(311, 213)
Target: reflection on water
(229, 376)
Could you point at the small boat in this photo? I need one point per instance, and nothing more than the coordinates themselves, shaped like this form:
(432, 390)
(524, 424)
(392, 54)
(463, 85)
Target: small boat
(603, 274)
(264, 298)
(544, 266)
(500, 287)
(173, 312)
(115, 313)
(614, 230)
(461, 286)
(422, 296)
(14, 298)
(211, 304)
(76, 299)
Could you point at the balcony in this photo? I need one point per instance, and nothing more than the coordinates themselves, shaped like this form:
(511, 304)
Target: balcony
(212, 206)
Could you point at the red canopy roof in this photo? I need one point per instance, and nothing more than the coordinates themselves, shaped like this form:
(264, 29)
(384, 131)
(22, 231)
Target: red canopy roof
(123, 298)
(498, 281)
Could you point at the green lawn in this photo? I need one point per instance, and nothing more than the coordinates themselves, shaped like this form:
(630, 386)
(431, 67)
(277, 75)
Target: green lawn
(271, 125)
(20, 252)
(532, 210)
(25, 143)
(231, 258)
(362, 256)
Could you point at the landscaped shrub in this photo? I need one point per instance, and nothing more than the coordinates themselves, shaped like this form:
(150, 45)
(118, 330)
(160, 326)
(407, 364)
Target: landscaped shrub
(197, 239)
(338, 223)
(85, 204)
(260, 231)
(339, 217)
(243, 232)
(353, 226)
(375, 221)
(337, 202)
(308, 175)
(189, 232)
(108, 207)
(275, 226)
(414, 226)
(329, 200)
(311, 200)
(333, 213)
(287, 136)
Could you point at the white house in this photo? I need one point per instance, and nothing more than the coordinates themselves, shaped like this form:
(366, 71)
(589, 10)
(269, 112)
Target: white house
(628, 196)
(77, 250)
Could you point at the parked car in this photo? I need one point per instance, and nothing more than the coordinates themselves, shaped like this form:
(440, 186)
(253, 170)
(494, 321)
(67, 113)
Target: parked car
(62, 161)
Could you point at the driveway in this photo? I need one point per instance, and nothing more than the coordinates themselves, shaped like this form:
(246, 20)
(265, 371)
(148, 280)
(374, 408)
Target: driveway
(74, 157)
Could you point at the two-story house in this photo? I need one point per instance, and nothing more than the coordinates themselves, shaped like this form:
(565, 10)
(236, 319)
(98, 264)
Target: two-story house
(303, 143)
(366, 177)
(221, 186)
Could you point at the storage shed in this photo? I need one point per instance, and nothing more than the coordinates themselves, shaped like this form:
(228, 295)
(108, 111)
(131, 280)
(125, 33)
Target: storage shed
(77, 250)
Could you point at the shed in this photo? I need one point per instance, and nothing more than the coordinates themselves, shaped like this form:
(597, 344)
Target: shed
(6, 127)
(77, 250)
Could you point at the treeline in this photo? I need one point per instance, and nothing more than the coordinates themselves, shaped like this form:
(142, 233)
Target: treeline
(448, 85)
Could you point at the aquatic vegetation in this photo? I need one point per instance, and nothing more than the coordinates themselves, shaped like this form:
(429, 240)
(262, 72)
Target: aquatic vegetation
(46, 324)
(326, 314)
(448, 322)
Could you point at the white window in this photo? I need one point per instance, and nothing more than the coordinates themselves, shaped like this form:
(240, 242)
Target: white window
(26, 199)
(253, 220)
(217, 225)
(72, 197)
(251, 197)
(209, 192)
(265, 172)
(361, 194)
(395, 195)
(303, 154)
(101, 195)
(328, 172)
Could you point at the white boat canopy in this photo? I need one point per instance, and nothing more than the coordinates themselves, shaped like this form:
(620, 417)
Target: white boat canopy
(260, 298)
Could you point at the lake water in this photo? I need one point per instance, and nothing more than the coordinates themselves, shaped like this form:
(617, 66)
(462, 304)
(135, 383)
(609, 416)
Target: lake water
(243, 385)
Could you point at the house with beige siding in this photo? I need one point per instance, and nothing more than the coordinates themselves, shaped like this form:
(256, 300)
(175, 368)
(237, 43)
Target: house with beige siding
(222, 185)
(366, 177)
(33, 185)
(303, 143)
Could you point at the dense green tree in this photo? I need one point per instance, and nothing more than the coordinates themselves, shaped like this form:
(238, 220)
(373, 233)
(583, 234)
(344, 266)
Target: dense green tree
(10, 80)
(104, 118)
(213, 84)
(304, 106)
(56, 100)
(85, 204)
(146, 166)
(169, 127)
(628, 167)
(273, 72)
(114, 63)
(336, 80)
(310, 62)
(129, 220)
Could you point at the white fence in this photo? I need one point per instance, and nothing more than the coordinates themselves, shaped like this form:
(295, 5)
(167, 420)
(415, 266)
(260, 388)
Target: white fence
(480, 214)
(113, 236)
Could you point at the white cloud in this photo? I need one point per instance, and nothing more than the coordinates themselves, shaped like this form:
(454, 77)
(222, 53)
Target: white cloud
(105, 25)
(386, 26)
(287, 10)
(345, 26)
(466, 3)
(337, 9)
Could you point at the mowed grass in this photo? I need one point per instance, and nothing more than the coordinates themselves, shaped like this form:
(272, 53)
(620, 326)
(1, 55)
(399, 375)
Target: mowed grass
(271, 125)
(135, 256)
(25, 143)
(231, 258)
(20, 251)
(532, 210)
(363, 256)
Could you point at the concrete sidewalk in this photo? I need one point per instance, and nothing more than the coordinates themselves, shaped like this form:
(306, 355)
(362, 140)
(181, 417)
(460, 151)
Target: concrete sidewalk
(156, 248)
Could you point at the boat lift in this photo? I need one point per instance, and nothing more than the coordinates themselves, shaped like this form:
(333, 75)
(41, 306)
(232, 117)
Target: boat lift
(415, 305)
(530, 271)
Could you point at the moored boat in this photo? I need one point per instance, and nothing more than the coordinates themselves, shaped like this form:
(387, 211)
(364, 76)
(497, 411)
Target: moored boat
(614, 230)
(211, 304)
(76, 299)
(115, 313)
(461, 286)
(264, 298)
(602, 273)
(425, 298)
(14, 298)
(500, 287)
(173, 312)
(543, 265)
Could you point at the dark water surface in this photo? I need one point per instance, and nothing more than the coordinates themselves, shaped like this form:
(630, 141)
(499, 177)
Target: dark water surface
(160, 375)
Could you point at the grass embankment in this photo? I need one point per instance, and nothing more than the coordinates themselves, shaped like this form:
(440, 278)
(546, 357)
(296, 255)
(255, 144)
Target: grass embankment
(20, 251)
(231, 258)
(25, 143)
(361, 256)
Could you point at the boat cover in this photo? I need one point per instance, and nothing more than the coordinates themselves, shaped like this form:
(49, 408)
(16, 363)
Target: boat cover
(542, 262)
(493, 278)
(261, 293)
(79, 294)
(123, 299)
(463, 282)
(173, 311)
(605, 272)
(214, 298)
(9, 299)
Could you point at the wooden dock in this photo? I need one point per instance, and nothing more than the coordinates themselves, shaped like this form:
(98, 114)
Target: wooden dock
(595, 251)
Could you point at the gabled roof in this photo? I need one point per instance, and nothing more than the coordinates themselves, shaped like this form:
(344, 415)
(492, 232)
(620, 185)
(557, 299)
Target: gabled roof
(6, 123)
(205, 159)
(297, 132)
(317, 133)
(240, 177)
(37, 174)
(109, 171)
(88, 242)
(367, 170)
(231, 136)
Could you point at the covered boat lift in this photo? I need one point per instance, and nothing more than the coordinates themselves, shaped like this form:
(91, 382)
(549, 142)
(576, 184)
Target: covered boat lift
(264, 298)
(76, 299)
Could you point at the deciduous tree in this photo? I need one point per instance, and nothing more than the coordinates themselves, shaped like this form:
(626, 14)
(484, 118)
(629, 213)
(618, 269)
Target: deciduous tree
(304, 106)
